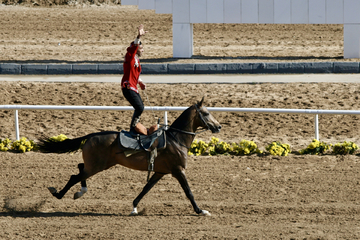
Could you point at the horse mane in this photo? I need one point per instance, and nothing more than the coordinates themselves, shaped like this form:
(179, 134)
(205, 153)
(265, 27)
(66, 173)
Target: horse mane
(183, 119)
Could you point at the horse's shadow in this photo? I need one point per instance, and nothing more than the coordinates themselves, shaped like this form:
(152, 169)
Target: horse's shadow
(30, 214)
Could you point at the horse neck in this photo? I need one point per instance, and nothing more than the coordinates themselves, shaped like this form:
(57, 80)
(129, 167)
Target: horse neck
(185, 122)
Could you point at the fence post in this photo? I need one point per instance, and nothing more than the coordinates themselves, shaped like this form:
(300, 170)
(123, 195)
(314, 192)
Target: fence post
(165, 119)
(17, 132)
(317, 127)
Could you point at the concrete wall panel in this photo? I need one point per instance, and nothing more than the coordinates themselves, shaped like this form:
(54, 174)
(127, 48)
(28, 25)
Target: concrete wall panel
(181, 11)
(163, 6)
(147, 4)
(249, 11)
(335, 11)
(232, 11)
(182, 40)
(129, 2)
(299, 11)
(215, 11)
(266, 11)
(351, 40)
(198, 11)
(317, 11)
(352, 11)
(282, 11)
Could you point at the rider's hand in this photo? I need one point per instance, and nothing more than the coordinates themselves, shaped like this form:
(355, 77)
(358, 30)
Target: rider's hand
(141, 30)
(142, 85)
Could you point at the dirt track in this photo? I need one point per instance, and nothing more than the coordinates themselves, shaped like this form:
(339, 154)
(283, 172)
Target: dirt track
(312, 197)
(258, 197)
(249, 197)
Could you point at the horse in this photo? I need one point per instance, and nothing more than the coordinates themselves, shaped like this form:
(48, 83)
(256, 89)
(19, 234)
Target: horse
(100, 151)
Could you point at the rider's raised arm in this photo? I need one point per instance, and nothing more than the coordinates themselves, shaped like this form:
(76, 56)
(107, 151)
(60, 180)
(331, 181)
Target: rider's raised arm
(141, 32)
(132, 50)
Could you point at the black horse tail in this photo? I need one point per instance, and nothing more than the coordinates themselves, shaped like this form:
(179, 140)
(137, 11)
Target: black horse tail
(48, 145)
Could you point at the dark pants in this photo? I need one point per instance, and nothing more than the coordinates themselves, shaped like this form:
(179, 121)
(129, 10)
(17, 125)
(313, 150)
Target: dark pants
(135, 101)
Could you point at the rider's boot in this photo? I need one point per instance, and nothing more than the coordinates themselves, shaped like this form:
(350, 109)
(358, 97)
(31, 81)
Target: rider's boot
(134, 122)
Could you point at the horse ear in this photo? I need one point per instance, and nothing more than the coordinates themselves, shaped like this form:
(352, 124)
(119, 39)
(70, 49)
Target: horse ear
(201, 102)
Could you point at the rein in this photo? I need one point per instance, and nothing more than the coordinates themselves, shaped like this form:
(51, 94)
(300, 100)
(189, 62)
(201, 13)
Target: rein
(182, 131)
(181, 144)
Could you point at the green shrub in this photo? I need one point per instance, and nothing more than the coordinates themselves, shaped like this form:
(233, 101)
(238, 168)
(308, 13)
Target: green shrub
(278, 149)
(198, 148)
(315, 147)
(245, 147)
(218, 147)
(5, 145)
(215, 147)
(23, 145)
(345, 148)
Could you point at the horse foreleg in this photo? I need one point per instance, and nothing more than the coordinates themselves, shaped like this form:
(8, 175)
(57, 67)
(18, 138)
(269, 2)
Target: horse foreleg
(74, 179)
(83, 183)
(153, 180)
(180, 176)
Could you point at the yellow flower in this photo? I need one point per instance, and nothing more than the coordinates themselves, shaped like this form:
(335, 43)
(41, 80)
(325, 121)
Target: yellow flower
(22, 148)
(59, 138)
(277, 148)
(3, 148)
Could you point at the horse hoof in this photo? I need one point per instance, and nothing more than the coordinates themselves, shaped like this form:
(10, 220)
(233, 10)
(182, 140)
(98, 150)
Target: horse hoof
(77, 195)
(52, 190)
(134, 212)
(205, 213)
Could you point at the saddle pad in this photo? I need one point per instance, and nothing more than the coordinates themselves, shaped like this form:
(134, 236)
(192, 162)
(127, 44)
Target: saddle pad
(142, 142)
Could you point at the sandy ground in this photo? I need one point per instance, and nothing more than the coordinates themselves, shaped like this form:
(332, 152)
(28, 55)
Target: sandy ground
(261, 197)
(249, 197)
(102, 34)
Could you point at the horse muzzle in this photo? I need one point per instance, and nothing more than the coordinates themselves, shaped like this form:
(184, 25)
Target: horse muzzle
(215, 129)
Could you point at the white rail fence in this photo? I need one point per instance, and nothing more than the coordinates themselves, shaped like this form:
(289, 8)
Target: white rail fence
(315, 112)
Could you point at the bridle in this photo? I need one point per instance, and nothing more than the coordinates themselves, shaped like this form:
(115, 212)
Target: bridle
(202, 118)
(198, 110)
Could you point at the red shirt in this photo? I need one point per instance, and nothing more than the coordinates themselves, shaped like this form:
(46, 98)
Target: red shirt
(132, 69)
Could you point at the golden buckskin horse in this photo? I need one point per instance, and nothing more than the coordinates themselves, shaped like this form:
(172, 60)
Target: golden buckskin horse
(101, 151)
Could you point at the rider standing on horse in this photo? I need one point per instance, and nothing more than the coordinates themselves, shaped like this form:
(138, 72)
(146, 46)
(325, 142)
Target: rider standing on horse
(131, 79)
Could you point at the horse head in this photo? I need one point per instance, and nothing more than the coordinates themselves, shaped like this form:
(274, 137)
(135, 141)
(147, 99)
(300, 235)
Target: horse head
(205, 119)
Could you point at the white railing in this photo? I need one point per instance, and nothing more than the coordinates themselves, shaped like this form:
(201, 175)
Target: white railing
(315, 112)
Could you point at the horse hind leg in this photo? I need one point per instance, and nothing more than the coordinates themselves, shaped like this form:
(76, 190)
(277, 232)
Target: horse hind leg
(74, 179)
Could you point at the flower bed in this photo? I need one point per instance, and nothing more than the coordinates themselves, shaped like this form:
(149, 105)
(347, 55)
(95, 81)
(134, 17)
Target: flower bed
(276, 148)
(215, 147)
